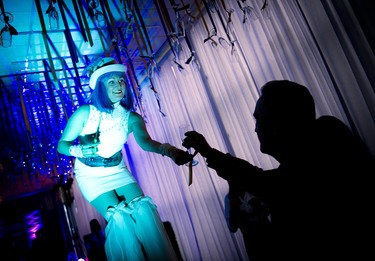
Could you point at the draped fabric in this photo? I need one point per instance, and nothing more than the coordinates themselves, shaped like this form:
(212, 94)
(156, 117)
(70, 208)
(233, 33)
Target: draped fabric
(304, 41)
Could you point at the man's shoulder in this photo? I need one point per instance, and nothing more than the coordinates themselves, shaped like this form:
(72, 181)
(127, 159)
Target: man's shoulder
(330, 121)
(332, 128)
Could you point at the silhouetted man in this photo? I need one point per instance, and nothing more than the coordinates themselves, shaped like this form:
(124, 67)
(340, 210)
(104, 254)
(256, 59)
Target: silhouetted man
(320, 197)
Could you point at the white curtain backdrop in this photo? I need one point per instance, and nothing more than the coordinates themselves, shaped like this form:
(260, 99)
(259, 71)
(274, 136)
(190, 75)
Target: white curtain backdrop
(304, 41)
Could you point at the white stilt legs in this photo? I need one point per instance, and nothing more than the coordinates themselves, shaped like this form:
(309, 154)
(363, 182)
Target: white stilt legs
(131, 227)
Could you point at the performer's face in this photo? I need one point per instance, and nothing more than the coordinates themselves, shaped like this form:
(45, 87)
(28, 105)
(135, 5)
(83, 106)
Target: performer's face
(115, 86)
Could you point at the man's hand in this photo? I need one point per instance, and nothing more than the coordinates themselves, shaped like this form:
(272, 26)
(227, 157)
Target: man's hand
(196, 141)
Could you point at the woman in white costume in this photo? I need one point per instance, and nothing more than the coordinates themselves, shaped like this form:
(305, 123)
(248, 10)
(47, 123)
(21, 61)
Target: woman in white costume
(134, 229)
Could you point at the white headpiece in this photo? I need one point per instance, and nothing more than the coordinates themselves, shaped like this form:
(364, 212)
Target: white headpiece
(102, 66)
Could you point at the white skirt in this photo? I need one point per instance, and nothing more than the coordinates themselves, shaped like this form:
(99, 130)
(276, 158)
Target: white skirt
(94, 181)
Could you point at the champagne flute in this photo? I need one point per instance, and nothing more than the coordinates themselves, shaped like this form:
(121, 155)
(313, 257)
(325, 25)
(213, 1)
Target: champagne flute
(183, 129)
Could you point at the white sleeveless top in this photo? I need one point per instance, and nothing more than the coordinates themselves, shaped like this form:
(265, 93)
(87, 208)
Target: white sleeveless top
(113, 127)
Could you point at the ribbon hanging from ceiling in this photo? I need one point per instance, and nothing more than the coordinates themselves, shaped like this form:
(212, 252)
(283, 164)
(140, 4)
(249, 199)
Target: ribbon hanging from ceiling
(67, 81)
(222, 41)
(151, 66)
(86, 25)
(112, 28)
(93, 14)
(180, 30)
(247, 11)
(187, 9)
(168, 29)
(64, 66)
(150, 79)
(44, 34)
(127, 9)
(214, 30)
(80, 21)
(131, 75)
(68, 36)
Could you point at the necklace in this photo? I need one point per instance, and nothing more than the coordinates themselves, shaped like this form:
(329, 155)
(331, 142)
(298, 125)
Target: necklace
(117, 110)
